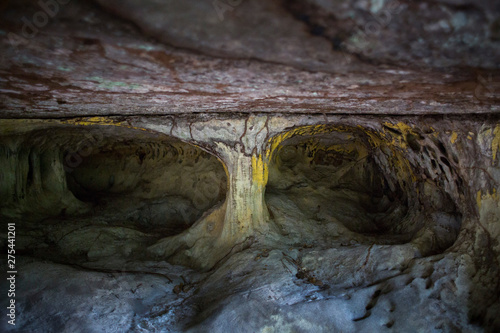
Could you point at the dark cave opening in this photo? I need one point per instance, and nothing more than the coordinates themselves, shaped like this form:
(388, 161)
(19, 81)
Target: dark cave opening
(351, 185)
(161, 186)
(103, 192)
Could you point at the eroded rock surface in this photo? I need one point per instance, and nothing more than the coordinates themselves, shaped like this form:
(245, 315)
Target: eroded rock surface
(251, 166)
(360, 219)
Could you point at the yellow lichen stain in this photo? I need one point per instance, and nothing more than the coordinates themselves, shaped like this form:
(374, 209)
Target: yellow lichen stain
(399, 140)
(92, 121)
(386, 139)
(454, 136)
(101, 121)
(260, 172)
(375, 140)
(402, 127)
(487, 196)
(392, 142)
(275, 141)
(12, 125)
(495, 143)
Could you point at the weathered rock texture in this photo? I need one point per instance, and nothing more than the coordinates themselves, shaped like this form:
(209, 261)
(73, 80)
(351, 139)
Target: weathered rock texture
(257, 167)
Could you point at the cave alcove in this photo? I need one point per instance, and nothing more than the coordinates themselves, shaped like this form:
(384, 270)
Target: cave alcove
(350, 185)
(100, 192)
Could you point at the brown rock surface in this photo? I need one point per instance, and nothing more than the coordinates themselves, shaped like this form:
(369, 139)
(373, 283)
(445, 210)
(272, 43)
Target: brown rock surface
(84, 62)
